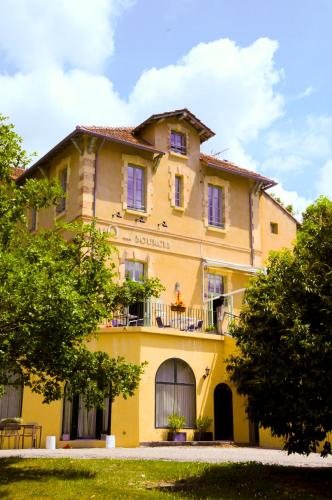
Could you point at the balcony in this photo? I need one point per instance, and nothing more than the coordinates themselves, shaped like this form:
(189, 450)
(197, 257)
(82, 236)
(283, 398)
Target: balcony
(185, 319)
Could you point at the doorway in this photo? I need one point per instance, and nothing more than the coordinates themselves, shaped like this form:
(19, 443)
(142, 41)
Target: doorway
(223, 413)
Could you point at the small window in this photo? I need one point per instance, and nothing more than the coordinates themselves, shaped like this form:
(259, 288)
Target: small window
(215, 285)
(63, 177)
(274, 227)
(134, 270)
(178, 201)
(178, 143)
(215, 203)
(136, 188)
(33, 220)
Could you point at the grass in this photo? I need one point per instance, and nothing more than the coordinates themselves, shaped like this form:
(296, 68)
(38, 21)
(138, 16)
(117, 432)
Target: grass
(130, 479)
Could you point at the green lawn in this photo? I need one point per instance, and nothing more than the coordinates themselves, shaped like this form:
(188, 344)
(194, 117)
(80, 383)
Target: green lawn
(118, 479)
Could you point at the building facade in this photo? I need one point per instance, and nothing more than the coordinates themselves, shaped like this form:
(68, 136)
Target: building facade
(203, 226)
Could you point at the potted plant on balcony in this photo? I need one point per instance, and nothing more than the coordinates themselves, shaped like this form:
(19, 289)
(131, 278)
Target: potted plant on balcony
(202, 426)
(178, 305)
(175, 423)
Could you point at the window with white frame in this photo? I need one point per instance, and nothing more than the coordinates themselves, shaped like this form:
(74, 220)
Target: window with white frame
(215, 206)
(134, 270)
(215, 285)
(62, 202)
(175, 392)
(136, 188)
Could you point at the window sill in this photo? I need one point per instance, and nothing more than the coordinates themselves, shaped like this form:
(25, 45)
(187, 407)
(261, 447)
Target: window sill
(216, 229)
(178, 155)
(178, 209)
(132, 211)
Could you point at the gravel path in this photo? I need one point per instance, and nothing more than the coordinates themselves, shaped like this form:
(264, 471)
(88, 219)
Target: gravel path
(183, 454)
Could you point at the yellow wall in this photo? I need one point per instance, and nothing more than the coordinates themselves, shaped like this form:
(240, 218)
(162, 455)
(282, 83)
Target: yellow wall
(174, 254)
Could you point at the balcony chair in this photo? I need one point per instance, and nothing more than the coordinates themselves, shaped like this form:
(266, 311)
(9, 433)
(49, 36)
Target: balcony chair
(189, 328)
(10, 431)
(160, 323)
(30, 431)
(199, 325)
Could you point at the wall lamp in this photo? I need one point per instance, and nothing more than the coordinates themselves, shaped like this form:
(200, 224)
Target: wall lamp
(207, 372)
(163, 224)
(117, 214)
(141, 220)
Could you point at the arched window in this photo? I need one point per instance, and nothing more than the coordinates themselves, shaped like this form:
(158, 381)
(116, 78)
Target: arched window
(11, 401)
(81, 423)
(175, 392)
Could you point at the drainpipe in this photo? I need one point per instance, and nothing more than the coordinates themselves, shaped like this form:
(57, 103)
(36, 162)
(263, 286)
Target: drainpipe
(254, 190)
(96, 179)
(251, 235)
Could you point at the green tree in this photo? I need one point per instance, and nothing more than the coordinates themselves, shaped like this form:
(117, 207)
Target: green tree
(54, 291)
(288, 207)
(285, 339)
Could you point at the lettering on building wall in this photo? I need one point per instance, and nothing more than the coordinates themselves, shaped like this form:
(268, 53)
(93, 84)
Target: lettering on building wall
(113, 231)
(152, 242)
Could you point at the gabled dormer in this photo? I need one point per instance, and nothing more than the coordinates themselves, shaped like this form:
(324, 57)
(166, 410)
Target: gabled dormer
(177, 132)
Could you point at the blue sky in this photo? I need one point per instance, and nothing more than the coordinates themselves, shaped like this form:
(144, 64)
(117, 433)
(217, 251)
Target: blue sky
(257, 72)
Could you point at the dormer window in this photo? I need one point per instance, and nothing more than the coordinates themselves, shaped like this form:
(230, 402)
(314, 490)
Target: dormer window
(178, 143)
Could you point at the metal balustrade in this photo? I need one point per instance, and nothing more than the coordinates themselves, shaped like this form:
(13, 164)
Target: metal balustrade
(186, 319)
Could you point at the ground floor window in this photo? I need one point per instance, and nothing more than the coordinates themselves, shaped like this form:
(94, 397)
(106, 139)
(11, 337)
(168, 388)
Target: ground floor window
(11, 401)
(175, 392)
(80, 422)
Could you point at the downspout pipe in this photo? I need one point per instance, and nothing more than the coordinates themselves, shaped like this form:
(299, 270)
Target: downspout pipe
(255, 188)
(94, 204)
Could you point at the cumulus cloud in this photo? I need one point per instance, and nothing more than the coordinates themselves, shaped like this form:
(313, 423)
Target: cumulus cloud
(298, 202)
(35, 34)
(229, 87)
(324, 183)
(55, 77)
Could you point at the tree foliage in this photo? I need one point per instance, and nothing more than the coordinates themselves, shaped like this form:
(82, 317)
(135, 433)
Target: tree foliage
(54, 291)
(285, 339)
(289, 207)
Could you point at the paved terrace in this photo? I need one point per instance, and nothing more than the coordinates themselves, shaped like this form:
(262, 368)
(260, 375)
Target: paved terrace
(183, 454)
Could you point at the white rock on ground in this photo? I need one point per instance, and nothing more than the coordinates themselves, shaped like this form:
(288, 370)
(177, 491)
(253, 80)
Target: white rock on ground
(183, 454)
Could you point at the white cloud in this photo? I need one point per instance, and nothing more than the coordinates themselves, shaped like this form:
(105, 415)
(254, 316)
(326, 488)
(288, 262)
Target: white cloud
(56, 57)
(228, 87)
(302, 95)
(324, 183)
(284, 164)
(298, 202)
(35, 34)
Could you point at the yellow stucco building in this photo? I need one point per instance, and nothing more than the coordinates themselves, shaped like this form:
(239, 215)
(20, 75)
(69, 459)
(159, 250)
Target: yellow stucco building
(203, 226)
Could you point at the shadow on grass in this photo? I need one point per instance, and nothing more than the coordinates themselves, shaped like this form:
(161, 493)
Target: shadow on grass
(252, 481)
(11, 472)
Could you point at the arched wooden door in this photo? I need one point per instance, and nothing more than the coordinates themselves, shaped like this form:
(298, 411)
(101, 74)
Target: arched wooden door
(223, 413)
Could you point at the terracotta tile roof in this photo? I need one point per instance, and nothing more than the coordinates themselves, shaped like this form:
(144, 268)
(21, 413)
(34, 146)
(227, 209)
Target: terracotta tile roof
(204, 131)
(16, 172)
(228, 166)
(118, 134)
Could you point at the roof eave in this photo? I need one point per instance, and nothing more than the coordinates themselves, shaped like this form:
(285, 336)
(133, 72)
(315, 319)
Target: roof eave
(121, 141)
(265, 181)
(74, 133)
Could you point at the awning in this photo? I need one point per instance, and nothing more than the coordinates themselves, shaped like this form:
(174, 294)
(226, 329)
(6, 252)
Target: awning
(232, 265)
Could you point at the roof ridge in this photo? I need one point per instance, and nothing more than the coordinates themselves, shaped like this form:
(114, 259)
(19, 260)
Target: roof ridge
(104, 127)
